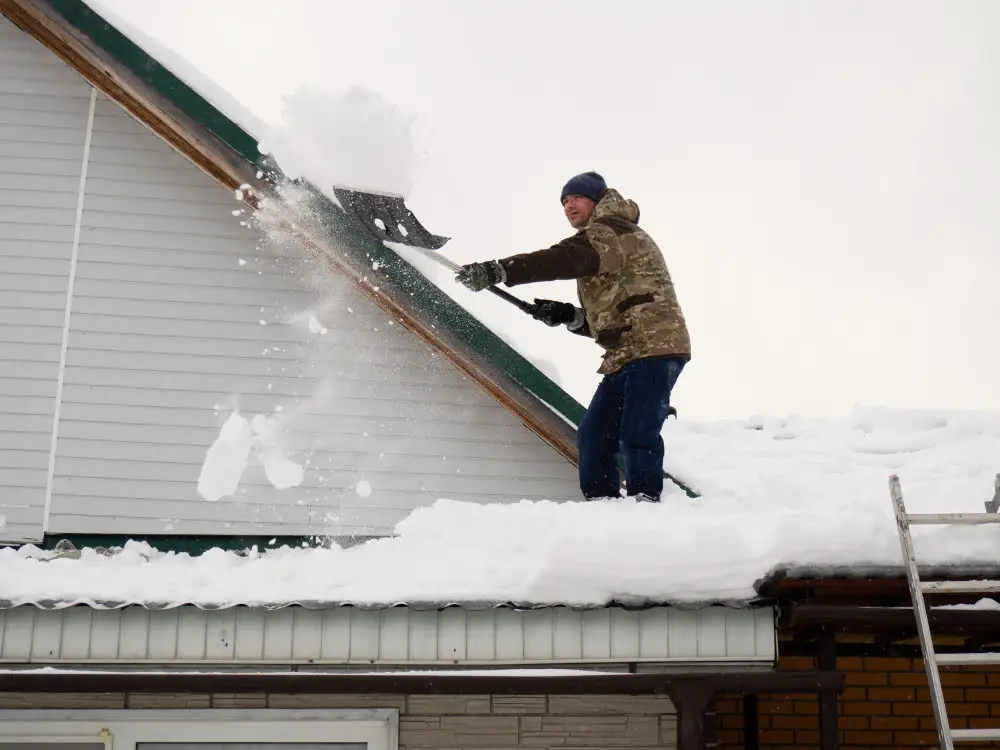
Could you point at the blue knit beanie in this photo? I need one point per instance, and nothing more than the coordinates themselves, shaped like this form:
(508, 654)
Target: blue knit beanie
(589, 184)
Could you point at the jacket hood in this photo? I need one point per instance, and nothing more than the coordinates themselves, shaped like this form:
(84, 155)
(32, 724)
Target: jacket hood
(613, 204)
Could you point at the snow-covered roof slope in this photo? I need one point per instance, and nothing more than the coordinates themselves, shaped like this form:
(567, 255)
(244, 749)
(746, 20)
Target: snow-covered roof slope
(777, 493)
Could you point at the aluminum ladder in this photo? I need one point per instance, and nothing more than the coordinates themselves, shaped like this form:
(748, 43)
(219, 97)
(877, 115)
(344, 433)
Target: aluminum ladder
(918, 588)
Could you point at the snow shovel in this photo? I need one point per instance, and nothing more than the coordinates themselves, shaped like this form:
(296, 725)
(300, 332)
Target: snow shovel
(387, 218)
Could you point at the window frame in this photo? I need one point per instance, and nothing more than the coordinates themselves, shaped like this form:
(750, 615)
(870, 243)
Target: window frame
(124, 729)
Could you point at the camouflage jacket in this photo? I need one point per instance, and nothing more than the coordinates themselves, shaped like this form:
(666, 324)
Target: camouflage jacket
(622, 281)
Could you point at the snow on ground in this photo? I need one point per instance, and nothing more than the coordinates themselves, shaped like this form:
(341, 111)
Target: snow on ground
(776, 492)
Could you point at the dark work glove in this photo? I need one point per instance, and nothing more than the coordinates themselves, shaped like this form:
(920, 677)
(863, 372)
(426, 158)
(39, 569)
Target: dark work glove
(478, 276)
(553, 313)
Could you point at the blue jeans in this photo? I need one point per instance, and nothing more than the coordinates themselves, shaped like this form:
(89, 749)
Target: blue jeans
(624, 419)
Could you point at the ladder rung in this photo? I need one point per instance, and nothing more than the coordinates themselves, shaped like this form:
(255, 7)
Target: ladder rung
(966, 519)
(960, 587)
(958, 660)
(973, 735)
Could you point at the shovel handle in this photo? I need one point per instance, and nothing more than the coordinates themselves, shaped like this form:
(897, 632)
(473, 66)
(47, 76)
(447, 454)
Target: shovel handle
(520, 303)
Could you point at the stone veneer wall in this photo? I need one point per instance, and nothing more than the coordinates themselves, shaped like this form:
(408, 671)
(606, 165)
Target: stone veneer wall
(440, 721)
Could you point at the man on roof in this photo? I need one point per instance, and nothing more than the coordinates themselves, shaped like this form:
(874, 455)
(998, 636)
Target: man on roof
(628, 305)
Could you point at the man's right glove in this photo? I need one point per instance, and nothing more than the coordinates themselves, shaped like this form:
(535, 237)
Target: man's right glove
(553, 313)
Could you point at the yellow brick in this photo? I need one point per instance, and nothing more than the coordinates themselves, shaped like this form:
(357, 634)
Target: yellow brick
(62, 700)
(610, 704)
(458, 731)
(322, 700)
(239, 700)
(595, 731)
(519, 704)
(168, 700)
(444, 705)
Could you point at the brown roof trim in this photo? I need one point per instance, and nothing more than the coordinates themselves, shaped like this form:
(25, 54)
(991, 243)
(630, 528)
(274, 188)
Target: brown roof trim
(222, 164)
(805, 618)
(438, 684)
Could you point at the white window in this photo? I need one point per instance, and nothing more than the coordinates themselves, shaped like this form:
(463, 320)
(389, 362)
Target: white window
(200, 729)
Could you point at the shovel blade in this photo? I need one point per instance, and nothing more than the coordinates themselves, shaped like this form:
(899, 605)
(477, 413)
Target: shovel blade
(386, 217)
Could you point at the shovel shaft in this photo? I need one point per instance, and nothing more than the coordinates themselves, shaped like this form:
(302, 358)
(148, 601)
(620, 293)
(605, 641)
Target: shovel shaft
(453, 266)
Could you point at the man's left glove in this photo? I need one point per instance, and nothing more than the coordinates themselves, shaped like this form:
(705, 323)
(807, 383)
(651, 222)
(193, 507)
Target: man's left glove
(478, 276)
(553, 313)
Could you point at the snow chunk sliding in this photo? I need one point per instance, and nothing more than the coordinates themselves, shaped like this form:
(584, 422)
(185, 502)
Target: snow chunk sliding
(354, 140)
(227, 457)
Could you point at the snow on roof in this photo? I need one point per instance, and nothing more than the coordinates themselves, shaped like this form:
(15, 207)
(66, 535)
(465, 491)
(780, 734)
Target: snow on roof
(777, 493)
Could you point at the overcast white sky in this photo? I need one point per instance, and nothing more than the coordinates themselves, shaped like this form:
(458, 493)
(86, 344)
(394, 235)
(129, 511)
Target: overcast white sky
(823, 177)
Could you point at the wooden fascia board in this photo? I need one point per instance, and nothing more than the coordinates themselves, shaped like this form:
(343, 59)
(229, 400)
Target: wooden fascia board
(55, 681)
(216, 160)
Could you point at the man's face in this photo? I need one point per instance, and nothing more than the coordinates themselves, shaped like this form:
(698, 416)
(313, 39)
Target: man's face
(578, 209)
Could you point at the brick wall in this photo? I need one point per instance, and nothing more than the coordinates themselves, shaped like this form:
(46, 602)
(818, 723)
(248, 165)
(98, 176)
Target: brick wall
(885, 704)
(441, 721)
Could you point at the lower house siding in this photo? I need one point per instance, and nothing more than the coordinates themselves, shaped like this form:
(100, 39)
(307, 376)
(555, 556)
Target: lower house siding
(885, 704)
(438, 721)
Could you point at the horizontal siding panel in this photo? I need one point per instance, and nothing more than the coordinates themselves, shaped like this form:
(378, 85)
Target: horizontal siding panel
(36, 343)
(349, 447)
(310, 432)
(26, 459)
(43, 85)
(26, 424)
(153, 462)
(200, 260)
(208, 195)
(28, 282)
(53, 217)
(42, 117)
(429, 404)
(18, 166)
(351, 382)
(481, 415)
(172, 517)
(127, 173)
(338, 359)
(149, 160)
(130, 477)
(18, 405)
(175, 226)
(266, 298)
(25, 387)
(229, 331)
(35, 249)
(233, 278)
(16, 368)
(28, 265)
(24, 477)
(178, 210)
(42, 199)
(249, 314)
(43, 151)
(45, 103)
(28, 441)
(42, 132)
(38, 319)
(31, 302)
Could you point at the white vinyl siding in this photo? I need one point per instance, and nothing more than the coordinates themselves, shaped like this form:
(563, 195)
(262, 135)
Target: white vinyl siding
(180, 315)
(392, 637)
(43, 125)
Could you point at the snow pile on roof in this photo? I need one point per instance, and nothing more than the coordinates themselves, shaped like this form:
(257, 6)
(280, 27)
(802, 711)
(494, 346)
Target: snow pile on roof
(776, 493)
